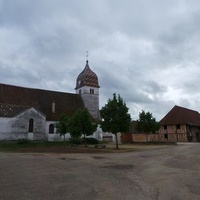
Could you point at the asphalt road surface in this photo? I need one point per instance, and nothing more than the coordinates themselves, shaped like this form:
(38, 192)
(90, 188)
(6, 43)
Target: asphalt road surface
(171, 172)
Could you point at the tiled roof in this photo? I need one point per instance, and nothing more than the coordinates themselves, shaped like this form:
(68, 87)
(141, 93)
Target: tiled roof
(87, 78)
(14, 99)
(180, 115)
(10, 110)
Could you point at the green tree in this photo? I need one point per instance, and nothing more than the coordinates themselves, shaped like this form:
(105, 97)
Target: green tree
(147, 123)
(115, 117)
(62, 126)
(81, 123)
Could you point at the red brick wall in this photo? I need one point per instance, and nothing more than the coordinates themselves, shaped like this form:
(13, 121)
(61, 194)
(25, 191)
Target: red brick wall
(126, 137)
(144, 137)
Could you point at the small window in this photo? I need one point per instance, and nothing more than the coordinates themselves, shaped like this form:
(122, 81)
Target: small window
(79, 91)
(91, 91)
(166, 136)
(51, 129)
(165, 127)
(178, 126)
(31, 124)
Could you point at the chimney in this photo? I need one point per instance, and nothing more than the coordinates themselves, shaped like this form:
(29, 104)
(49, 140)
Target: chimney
(53, 107)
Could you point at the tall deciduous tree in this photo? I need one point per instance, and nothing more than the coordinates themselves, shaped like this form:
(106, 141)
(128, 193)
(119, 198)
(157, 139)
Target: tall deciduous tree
(147, 123)
(62, 126)
(81, 124)
(115, 117)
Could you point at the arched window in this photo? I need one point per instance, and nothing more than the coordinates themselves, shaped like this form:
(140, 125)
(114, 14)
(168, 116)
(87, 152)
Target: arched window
(51, 128)
(31, 124)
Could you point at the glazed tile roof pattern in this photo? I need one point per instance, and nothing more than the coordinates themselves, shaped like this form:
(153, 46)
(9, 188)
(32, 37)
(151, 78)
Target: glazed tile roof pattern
(9, 110)
(87, 78)
(180, 115)
(14, 99)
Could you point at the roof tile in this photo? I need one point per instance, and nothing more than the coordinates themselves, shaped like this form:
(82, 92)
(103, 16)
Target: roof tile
(14, 99)
(181, 115)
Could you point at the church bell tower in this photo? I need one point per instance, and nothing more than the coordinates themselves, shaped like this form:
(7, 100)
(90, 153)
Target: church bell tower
(87, 86)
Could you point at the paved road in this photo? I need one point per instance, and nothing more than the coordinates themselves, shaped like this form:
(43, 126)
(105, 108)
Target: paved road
(169, 173)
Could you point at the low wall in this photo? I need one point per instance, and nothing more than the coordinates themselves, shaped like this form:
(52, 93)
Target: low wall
(144, 137)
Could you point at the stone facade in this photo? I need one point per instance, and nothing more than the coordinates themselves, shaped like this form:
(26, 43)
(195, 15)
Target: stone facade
(17, 127)
(91, 101)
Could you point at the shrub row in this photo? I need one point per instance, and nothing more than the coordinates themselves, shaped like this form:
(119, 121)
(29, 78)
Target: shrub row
(81, 141)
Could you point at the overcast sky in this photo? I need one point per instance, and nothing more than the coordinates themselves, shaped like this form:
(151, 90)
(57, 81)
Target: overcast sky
(148, 51)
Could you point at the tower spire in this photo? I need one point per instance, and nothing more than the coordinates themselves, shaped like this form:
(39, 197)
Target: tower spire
(87, 55)
(87, 86)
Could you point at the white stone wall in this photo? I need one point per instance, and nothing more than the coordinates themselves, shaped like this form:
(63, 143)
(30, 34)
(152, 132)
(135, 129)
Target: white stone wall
(55, 136)
(91, 101)
(5, 124)
(86, 90)
(17, 127)
(47, 126)
(98, 134)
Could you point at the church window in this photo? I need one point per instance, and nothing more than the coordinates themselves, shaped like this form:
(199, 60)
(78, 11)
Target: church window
(91, 91)
(31, 124)
(51, 128)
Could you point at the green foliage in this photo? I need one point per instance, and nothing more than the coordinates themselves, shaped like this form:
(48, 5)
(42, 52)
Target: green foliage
(76, 141)
(147, 123)
(91, 141)
(115, 117)
(23, 141)
(62, 126)
(81, 124)
(23, 144)
(81, 141)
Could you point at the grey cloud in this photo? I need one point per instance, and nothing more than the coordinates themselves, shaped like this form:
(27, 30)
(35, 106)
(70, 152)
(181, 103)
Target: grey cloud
(147, 51)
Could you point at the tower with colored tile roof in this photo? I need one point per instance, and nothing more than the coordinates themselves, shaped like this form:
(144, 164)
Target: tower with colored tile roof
(87, 86)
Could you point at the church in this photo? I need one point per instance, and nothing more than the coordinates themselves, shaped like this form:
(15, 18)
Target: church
(27, 113)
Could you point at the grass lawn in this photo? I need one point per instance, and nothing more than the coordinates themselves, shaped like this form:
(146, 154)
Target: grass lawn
(24, 146)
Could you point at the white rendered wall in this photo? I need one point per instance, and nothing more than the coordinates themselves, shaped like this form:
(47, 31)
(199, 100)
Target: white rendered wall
(91, 101)
(17, 127)
(98, 134)
(55, 136)
(86, 90)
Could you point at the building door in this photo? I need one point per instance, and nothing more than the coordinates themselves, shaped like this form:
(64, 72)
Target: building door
(189, 137)
(198, 137)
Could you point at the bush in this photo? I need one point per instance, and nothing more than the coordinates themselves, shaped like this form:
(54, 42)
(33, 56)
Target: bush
(22, 141)
(91, 141)
(76, 141)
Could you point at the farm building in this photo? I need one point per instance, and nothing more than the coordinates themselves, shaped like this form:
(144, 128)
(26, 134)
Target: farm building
(180, 125)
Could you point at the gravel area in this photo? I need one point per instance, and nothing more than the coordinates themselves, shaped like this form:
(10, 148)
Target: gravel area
(171, 172)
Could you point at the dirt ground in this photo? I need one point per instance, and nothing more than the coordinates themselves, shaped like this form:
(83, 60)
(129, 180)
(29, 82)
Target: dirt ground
(164, 173)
